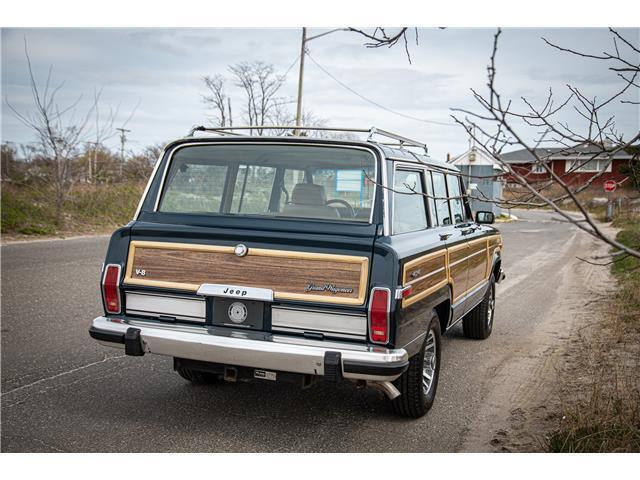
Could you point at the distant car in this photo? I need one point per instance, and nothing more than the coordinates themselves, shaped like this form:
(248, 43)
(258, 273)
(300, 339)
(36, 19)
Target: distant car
(299, 259)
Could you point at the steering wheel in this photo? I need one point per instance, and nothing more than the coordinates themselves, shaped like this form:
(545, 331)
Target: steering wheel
(344, 203)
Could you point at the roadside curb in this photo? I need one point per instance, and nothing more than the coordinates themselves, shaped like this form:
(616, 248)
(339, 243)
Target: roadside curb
(4, 242)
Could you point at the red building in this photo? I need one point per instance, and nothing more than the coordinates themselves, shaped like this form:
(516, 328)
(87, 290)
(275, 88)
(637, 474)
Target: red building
(574, 167)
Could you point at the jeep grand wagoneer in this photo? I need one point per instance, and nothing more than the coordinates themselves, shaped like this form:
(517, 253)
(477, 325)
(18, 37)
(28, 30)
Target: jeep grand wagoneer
(299, 259)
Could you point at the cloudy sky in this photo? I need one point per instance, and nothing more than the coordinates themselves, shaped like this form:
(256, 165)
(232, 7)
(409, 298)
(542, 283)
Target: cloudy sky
(162, 69)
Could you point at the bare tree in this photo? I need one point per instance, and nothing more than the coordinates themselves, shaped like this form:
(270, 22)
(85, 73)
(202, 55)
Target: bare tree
(261, 84)
(103, 131)
(497, 125)
(8, 162)
(58, 130)
(139, 166)
(217, 99)
(381, 38)
(280, 115)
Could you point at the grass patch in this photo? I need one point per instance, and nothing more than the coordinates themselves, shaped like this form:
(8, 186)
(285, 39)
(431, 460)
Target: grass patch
(607, 418)
(595, 439)
(28, 210)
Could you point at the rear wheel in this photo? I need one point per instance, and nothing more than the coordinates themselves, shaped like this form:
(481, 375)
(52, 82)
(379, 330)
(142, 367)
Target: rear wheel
(195, 376)
(478, 323)
(419, 383)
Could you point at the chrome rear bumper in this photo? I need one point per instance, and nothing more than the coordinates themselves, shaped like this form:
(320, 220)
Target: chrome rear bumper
(254, 349)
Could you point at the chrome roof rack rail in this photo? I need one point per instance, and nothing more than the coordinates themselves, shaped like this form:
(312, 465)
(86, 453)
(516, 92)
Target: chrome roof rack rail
(291, 129)
(402, 141)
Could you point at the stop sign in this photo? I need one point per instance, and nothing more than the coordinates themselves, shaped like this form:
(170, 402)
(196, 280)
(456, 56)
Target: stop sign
(610, 186)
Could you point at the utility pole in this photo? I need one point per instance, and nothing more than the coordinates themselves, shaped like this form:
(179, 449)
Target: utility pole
(123, 139)
(303, 46)
(303, 51)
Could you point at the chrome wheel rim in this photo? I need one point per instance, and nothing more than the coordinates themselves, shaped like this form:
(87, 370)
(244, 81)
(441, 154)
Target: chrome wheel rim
(490, 308)
(429, 363)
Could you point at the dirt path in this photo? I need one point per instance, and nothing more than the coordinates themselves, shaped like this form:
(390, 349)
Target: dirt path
(524, 402)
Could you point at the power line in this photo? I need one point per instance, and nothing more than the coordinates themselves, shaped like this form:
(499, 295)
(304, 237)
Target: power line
(373, 102)
(291, 66)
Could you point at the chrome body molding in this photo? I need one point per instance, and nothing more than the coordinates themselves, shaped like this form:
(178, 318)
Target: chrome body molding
(470, 293)
(254, 349)
(149, 304)
(296, 320)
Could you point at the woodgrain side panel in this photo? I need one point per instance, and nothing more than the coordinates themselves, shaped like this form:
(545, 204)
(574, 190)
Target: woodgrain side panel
(458, 269)
(291, 275)
(463, 266)
(477, 263)
(425, 274)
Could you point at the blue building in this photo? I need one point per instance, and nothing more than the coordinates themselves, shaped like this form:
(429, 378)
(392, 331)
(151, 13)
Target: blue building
(482, 177)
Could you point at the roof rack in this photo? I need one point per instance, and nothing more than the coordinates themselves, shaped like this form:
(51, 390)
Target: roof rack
(402, 142)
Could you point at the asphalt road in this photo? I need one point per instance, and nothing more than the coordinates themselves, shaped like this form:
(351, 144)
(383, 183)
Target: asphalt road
(63, 392)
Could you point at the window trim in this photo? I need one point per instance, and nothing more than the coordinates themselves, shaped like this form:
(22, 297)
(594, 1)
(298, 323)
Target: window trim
(420, 171)
(433, 222)
(538, 169)
(375, 153)
(461, 197)
(571, 163)
(446, 187)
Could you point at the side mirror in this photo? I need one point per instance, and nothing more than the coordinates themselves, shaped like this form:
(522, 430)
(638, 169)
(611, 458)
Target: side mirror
(485, 217)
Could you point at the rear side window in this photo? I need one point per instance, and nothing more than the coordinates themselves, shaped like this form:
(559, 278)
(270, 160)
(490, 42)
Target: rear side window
(409, 214)
(441, 201)
(455, 198)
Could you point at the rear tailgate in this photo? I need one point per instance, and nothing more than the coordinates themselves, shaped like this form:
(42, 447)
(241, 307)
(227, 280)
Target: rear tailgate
(319, 279)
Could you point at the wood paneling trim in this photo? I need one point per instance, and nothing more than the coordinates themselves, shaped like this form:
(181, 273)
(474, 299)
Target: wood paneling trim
(354, 268)
(450, 257)
(430, 280)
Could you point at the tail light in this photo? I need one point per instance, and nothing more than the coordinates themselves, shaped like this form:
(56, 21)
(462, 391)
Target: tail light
(379, 306)
(111, 288)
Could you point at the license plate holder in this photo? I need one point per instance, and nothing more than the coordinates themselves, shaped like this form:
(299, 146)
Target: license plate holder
(238, 313)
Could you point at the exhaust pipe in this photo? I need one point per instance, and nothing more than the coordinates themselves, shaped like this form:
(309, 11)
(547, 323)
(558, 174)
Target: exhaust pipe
(388, 388)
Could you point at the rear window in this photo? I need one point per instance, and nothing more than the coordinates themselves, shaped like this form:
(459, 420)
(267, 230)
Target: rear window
(311, 182)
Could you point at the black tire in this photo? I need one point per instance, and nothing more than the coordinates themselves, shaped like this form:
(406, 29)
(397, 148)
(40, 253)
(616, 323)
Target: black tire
(195, 376)
(415, 398)
(478, 323)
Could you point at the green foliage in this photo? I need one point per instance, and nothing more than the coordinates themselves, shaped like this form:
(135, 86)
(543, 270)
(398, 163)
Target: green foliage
(29, 210)
(629, 236)
(25, 211)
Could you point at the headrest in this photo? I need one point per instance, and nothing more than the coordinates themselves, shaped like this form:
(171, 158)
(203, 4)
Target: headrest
(308, 194)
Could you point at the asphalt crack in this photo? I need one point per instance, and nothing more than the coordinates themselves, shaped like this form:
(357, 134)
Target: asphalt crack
(61, 374)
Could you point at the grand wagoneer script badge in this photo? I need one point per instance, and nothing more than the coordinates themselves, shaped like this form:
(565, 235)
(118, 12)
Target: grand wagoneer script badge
(327, 287)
